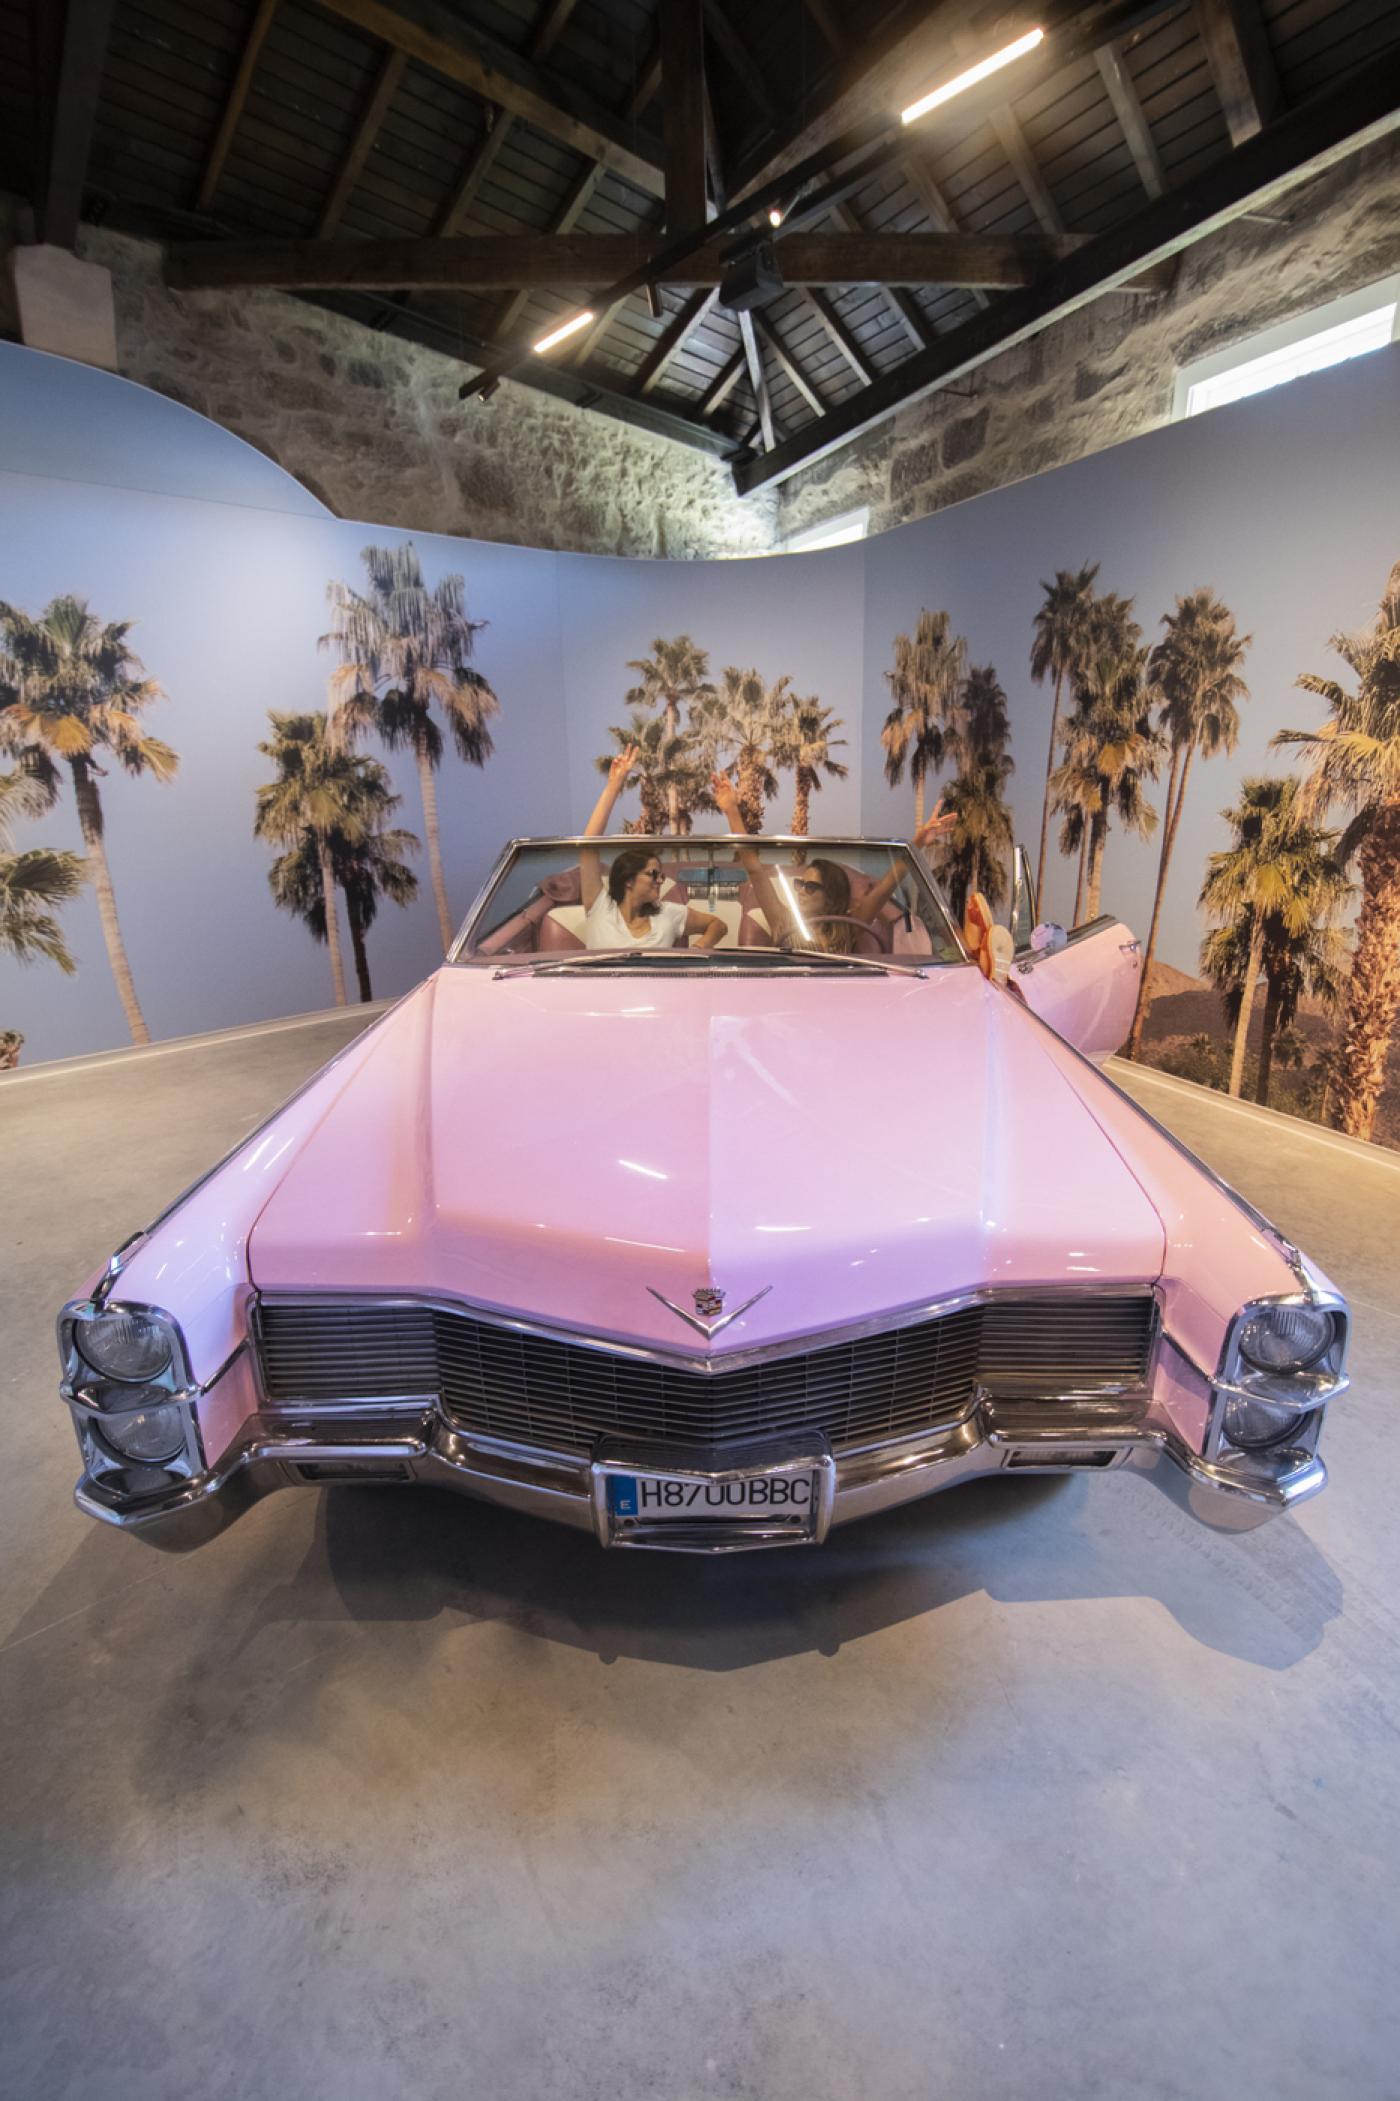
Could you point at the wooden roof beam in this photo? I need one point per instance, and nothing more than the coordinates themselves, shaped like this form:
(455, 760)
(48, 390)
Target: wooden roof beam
(438, 38)
(787, 362)
(840, 335)
(376, 109)
(592, 262)
(1359, 110)
(683, 86)
(69, 102)
(723, 384)
(1123, 95)
(920, 179)
(758, 379)
(1241, 64)
(672, 341)
(233, 107)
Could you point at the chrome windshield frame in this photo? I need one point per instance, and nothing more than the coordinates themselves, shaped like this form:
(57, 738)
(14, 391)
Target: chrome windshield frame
(918, 868)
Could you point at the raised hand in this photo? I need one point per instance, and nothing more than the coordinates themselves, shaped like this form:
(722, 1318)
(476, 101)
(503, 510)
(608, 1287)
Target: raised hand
(723, 791)
(938, 820)
(621, 766)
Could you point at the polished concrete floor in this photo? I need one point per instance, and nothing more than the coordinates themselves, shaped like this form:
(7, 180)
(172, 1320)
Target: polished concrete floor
(1035, 1789)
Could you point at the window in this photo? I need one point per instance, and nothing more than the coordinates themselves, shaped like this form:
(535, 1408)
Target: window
(834, 532)
(1344, 328)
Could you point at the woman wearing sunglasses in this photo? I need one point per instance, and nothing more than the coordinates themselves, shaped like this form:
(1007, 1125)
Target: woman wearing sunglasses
(812, 906)
(625, 909)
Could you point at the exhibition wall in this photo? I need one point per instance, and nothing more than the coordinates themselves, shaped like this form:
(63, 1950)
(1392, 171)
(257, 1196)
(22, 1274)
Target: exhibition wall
(1275, 521)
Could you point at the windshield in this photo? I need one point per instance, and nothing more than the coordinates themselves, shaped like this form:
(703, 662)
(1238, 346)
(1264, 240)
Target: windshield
(750, 902)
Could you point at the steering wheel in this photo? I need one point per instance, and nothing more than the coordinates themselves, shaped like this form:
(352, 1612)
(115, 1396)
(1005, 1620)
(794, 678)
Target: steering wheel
(862, 926)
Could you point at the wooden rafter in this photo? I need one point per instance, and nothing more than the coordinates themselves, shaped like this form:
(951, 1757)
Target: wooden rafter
(840, 335)
(672, 341)
(741, 60)
(233, 107)
(592, 262)
(758, 380)
(1017, 148)
(1241, 64)
(723, 384)
(683, 87)
(576, 199)
(920, 179)
(1355, 113)
(1134, 125)
(438, 38)
(385, 87)
(70, 106)
(788, 362)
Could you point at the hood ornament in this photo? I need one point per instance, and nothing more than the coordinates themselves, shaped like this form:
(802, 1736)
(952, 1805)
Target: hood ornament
(708, 1319)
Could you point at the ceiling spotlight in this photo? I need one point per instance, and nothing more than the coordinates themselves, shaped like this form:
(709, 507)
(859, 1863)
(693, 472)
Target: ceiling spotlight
(567, 328)
(981, 71)
(480, 389)
(775, 217)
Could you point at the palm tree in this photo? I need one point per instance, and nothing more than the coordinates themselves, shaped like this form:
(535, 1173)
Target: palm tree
(927, 677)
(404, 649)
(740, 722)
(1274, 894)
(975, 853)
(664, 764)
(321, 791)
(803, 744)
(1111, 748)
(1355, 759)
(31, 883)
(1194, 675)
(1061, 628)
(70, 688)
(675, 672)
(365, 871)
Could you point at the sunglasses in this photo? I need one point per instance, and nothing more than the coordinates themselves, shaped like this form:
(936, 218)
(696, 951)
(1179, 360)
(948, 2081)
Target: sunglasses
(807, 882)
(657, 874)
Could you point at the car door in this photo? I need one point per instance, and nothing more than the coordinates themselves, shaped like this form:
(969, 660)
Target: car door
(1087, 990)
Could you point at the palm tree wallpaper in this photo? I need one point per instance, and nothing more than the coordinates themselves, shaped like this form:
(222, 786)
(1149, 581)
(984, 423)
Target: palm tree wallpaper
(256, 761)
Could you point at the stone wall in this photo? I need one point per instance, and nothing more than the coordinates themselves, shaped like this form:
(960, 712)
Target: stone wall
(372, 425)
(1107, 372)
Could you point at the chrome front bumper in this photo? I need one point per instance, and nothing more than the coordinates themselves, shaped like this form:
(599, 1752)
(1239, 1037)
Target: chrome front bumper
(422, 1447)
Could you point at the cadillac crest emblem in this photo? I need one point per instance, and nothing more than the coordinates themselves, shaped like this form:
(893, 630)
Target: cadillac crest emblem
(709, 1316)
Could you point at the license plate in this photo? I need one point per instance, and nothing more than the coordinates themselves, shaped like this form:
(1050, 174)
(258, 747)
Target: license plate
(702, 1503)
(689, 1499)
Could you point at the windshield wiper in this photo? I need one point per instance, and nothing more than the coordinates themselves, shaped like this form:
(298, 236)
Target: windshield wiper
(805, 962)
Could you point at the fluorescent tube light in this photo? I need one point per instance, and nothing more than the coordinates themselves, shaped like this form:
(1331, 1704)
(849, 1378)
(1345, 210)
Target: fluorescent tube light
(568, 328)
(981, 71)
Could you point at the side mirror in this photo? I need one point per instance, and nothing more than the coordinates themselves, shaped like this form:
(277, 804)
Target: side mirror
(1047, 939)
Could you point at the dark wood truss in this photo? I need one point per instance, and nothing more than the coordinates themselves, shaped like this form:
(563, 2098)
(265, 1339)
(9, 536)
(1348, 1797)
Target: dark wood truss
(469, 172)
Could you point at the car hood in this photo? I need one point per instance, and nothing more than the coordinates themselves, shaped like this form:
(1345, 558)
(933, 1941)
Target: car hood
(565, 1147)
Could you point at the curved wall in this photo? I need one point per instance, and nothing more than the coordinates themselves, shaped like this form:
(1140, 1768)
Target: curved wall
(1283, 507)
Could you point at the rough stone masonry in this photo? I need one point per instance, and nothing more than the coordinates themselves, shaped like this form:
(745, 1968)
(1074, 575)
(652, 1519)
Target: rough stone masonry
(373, 425)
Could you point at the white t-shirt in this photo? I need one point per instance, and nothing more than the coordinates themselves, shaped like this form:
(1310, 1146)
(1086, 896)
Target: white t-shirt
(605, 927)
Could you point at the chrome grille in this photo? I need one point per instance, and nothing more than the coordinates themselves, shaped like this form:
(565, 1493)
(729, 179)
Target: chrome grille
(534, 1390)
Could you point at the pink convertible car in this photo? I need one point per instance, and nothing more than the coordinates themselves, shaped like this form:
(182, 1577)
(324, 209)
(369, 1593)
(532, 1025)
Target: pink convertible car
(712, 1249)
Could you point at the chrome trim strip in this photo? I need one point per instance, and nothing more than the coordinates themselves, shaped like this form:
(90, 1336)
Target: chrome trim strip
(708, 1328)
(810, 1340)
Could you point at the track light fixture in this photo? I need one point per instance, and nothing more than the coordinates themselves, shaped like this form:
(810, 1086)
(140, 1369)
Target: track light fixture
(983, 70)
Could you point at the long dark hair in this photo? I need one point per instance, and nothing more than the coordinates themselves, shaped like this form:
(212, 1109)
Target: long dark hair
(836, 897)
(626, 868)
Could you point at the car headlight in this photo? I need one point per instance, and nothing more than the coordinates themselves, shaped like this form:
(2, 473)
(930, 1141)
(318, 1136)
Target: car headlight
(1252, 1426)
(131, 1348)
(149, 1435)
(1285, 1338)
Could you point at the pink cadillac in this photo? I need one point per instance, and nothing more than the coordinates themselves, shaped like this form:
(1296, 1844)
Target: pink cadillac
(712, 1248)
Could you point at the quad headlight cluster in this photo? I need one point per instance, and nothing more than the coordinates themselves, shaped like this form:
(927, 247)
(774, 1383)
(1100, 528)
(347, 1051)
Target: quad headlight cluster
(1284, 1360)
(124, 1372)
